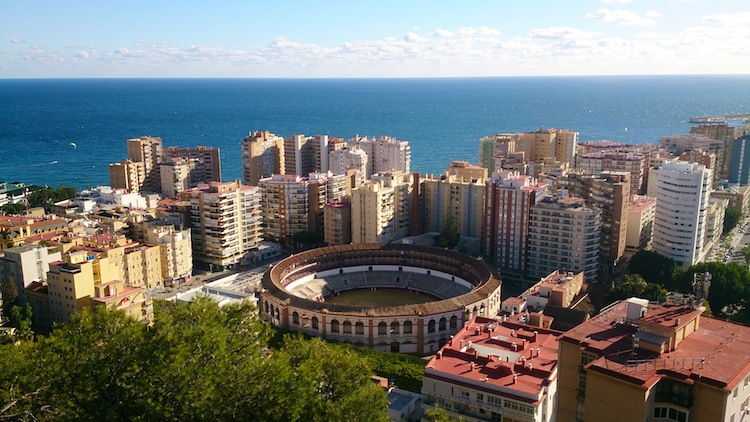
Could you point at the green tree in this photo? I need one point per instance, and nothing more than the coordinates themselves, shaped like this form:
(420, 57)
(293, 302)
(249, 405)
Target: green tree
(634, 285)
(732, 217)
(20, 318)
(13, 208)
(46, 196)
(746, 254)
(653, 267)
(730, 286)
(449, 233)
(10, 296)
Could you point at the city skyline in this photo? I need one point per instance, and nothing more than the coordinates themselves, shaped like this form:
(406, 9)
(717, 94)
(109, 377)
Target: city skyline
(44, 39)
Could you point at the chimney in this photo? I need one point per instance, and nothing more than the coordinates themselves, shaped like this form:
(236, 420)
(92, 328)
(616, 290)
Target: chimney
(512, 333)
(450, 341)
(461, 343)
(476, 354)
(438, 355)
(477, 330)
(515, 377)
(472, 366)
(514, 346)
(507, 358)
(538, 351)
(535, 334)
(530, 367)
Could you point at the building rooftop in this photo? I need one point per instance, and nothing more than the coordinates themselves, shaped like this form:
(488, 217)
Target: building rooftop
(716, 353)
(499, 357)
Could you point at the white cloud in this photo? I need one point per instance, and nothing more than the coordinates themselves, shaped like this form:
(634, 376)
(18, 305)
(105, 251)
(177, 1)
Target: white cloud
(441, 33)
(17, 41)
(653, 14)
(482, 30)
(413, 37)
(560, 33)
(616, 1)
(622, 17)
(741, 18)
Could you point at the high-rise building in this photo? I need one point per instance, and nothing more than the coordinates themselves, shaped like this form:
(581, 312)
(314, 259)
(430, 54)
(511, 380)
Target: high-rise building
(641, 361)
(641, 213)
(563, 234)
(467, 171)
(461, 196)
(608, 191)
(495, 371)
(225, 221)
(384, 154)
(175, 249)
(632, 162)
(127, 174)
(299, 156)
(545, 144)
(682, 192)
(717, 207)
(262, 156)
(343, 159)
(149, 151)
(382, 209)
(338, 222)
(207, 162)
(293, 204)
(725, 134)
(70, 285)
(739, 167)
(492, 148)
(176, 175)
(508, 198)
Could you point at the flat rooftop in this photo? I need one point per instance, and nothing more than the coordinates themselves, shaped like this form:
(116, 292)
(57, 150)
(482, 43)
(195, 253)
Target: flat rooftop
(499, 357)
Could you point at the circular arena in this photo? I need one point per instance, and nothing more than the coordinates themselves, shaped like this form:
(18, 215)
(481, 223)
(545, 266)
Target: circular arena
(298, 293)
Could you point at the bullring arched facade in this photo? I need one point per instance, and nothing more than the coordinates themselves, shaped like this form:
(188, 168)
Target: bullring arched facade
(295, 290)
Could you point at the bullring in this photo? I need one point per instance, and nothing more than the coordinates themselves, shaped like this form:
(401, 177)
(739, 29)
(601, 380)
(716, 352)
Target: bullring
(297, 293)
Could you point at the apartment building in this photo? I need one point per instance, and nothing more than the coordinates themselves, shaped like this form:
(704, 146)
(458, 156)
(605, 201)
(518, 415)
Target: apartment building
(739, 165)
(495, 147)
(641, 361)
(563, 233)
(207, 161)
(25, 264)
(683, 192)
(559, 288)
(723, 133)
(337, 224)
(128, 175)
(738, 196)
(177, 175)
(457, 194)
(116, 295)
(508, 198)
(16, 230)
(149, 151)
(633, 163)
(495, 371)
(346, 158)
(70, 286)
(262, 156)
(382, 208)
(225, 222)
(641, 213)
(384, 154)
(548, 144)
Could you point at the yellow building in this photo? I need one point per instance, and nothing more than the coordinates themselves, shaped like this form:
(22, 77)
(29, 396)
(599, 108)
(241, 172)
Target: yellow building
(262, 156)
(127, 174)
(16, 230)
(457, 192)
(558, 144)
(640, 361)
(116, 295)
(70, 286)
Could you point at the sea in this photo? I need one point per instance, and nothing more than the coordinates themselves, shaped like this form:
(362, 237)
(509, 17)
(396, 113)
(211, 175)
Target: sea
(67, 131)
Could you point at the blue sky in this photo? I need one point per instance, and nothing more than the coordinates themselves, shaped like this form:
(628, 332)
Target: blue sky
(280, 38)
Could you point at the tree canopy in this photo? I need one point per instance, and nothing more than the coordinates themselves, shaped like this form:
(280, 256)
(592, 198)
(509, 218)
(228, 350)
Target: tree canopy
(732, 217)
(46, 196)
(634, 285)
(653, 267)
(197, 362)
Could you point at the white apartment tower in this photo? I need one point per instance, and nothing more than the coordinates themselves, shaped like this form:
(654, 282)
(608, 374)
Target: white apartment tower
(682, 192)
(225, 221)
(384, 154)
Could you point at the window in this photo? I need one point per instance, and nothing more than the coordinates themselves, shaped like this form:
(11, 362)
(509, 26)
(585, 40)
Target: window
(480, 396)
(359, 328)
(497, 401)
(431, 326)
(347, 327)
(669, 413)
(334, 326)
(442, 324)
(382, 329)
(407, 327)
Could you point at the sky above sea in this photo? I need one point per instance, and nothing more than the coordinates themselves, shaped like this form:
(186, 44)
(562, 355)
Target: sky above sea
(365, 39)
(441, 118)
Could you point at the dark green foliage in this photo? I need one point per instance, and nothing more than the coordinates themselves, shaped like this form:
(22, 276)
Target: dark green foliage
(10, 295)
(198, 362)
(13, 208)
(20, 318)
(437, 414)
(654, 268)
(46, 196)
(449, 233)
(730, 286)
(746, 254)
(732, 217)
(634, 285)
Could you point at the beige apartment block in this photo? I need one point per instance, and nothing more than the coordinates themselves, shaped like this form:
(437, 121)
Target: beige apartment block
(382, 208)
(458, 193)
(149, 151)
(175, 250)
(207, 162)
(116, 295)
(557, 144)
(641, 213)
(127, 174)
(338, 222)
(70, 286)
(262, 156)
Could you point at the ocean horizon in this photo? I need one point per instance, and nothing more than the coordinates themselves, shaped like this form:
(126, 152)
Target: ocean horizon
(442, 118)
